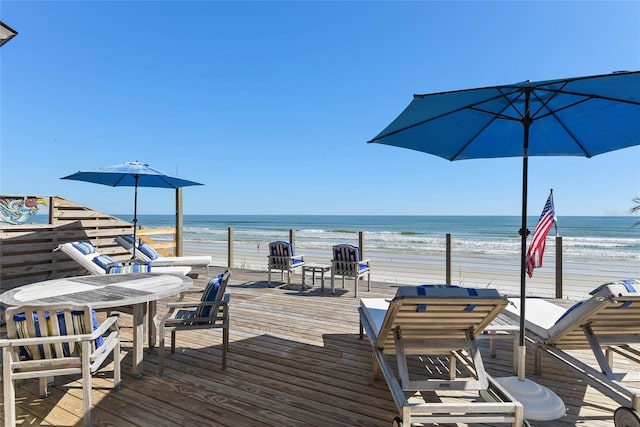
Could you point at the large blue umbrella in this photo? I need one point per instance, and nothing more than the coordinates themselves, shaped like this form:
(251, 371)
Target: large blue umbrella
(582, 116)
(131, 174)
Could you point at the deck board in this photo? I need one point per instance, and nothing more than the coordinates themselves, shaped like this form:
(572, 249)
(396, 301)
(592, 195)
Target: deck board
(295, 359)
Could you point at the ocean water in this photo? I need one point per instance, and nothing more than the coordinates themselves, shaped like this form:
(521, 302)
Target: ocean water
(584, 237)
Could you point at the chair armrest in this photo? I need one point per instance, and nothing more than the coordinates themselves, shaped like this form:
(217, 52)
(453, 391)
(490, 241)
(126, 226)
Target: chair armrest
(104, 327)
(364, 261)
(195, 304)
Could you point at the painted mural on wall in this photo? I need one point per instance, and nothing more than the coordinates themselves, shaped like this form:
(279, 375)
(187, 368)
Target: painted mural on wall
(19, 210)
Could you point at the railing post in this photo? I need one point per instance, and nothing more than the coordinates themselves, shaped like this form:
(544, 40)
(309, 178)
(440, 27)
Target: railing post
(230, 247)
(179, 245)
(448, 259)
(558, 266)
(361, 243)
(292, 238)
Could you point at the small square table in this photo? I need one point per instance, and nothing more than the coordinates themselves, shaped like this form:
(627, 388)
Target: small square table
(315, 268)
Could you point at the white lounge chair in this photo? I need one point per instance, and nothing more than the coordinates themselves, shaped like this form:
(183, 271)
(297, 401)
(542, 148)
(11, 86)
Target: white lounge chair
(438, 322)
(40, 347)
(87, 255)
(146, 253)
(608, 323)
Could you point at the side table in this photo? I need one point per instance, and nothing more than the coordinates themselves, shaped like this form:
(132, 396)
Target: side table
(315, 268)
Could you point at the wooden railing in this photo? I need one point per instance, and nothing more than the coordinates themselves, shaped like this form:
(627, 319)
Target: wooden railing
(166, 248)
(27, 250)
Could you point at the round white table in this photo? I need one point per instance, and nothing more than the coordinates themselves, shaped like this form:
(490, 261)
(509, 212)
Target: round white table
(138, 290)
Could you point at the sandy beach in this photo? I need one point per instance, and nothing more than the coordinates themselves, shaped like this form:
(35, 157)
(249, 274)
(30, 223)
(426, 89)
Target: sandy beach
(499, 271)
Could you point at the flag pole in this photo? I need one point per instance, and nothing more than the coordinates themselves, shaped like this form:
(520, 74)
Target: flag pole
(553, 206)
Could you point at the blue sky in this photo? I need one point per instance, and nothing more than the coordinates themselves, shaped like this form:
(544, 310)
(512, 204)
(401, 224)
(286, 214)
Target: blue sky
(270, 104)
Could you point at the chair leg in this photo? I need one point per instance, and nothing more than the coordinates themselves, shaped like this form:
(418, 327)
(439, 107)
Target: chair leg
(333, 284)
(269, 277)
(9, 389)
(355, 287)
(369, 281)
(225, 346)
(86, 384)
(117, 376)
(161, 352)
(43, 382)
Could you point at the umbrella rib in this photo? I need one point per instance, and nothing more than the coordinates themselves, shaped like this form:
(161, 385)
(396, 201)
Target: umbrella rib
(496, 116)
(471, 106)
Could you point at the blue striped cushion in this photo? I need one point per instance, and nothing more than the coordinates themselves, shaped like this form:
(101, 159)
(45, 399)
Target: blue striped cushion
(148, 251)
(210, 293)
(121, 268)
(85, 248)
(79, 328)
(104, 261)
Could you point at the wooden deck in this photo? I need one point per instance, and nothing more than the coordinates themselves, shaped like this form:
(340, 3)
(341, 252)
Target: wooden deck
(295, 359)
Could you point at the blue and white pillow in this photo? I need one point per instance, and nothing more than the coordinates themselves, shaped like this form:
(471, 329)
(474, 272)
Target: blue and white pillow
(148, 251)
(85, 248)
(103, 261)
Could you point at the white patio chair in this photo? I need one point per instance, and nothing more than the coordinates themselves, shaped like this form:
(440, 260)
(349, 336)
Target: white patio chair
(47, 341)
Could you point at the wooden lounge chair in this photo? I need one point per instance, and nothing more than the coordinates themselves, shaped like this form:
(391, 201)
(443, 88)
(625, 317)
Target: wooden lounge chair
(607, 324)
(46, 341)
(87, 255)
(437, 324)
(146, 253)
(282, 258)
(210, 312)
(347, 262)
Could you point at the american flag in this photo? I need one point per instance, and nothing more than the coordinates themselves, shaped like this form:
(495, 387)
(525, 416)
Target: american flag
(536, 248)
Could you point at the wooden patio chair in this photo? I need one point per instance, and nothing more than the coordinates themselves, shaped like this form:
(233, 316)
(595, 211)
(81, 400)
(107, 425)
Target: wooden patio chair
(347, 262)
(281, 258)
(430, 324)
(210, 312)
(46, 341)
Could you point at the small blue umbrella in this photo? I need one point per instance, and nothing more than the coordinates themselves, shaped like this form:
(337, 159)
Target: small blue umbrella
(582, 116)
(131, 174)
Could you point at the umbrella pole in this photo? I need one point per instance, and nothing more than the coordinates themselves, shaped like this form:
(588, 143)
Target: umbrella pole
(135, 216)
(523, 249)
(540, 403)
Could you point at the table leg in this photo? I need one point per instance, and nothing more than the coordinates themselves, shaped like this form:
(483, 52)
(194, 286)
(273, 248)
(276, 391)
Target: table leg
(139, 312)
(313, 277)
(304, 273)
(322, 280)
(152, 323)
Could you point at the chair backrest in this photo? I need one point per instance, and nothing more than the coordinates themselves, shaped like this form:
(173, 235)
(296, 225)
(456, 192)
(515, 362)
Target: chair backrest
(144, 251)
(51, 321)
(213, 292)
(346, 259)
(280, 254)
(427, 313)
(613, 311)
